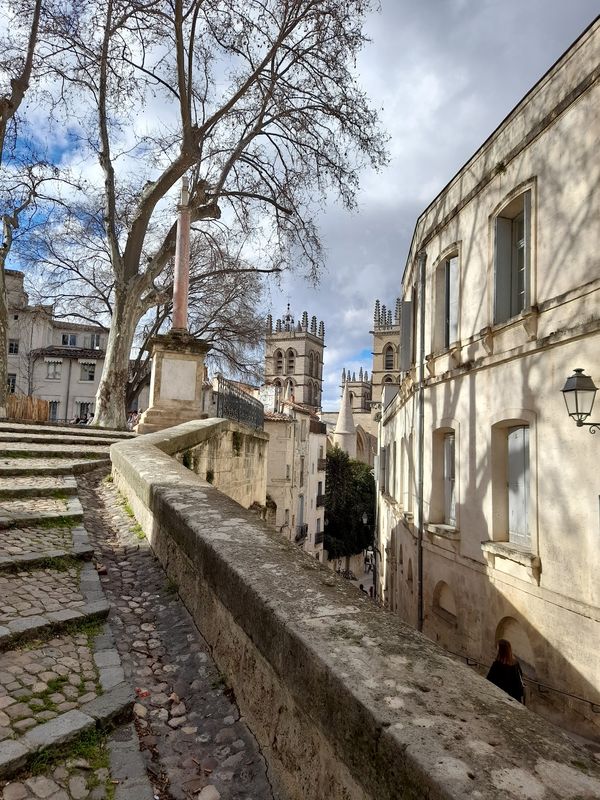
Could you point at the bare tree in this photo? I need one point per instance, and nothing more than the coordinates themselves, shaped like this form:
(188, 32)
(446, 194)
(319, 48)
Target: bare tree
(256, 101)
(16, 64)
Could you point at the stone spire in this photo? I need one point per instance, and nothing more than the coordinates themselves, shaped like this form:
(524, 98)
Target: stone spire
(344, 434)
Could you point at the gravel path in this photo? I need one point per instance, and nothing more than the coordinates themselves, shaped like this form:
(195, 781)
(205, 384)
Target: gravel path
(194, 743)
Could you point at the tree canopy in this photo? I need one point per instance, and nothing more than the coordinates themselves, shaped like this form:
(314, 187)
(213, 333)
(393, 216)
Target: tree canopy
(349, 494)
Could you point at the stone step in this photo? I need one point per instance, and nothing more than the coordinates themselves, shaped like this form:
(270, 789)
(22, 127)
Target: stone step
(45, 466)
(38, 486)
(35, 601)
(27, 547)
(70, 430)
(56, 690)
(38, 449)
(39, 511)
(56, 438)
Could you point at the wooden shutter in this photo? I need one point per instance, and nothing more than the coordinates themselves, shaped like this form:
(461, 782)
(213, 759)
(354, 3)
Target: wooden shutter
(502, 269)
(518, 486)
(452, 289)
(406, 328)
(449, 480)
(527, 224)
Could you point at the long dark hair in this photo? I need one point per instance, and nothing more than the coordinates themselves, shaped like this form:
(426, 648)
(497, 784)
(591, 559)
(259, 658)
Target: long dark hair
(505, 653)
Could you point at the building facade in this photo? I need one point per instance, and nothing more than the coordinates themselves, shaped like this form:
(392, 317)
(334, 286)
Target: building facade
(296, 474)
(488, 501)
(294, 357)
(57, 361)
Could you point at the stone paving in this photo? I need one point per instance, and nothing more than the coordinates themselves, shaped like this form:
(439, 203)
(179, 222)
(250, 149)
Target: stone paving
(41, 505)
(15, 483)
(16, 541)
(77, 779)
(38, 591)
(194, 743)
(44, 679)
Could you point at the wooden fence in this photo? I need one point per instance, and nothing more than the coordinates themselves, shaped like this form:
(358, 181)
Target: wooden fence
(27, 408)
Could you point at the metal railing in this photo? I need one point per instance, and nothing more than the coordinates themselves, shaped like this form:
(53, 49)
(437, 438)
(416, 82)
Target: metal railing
(320, 500)
(319, 537)
(237, 405)
(321, 464)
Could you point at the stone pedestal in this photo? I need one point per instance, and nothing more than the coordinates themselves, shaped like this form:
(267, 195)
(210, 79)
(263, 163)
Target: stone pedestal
(175, 383)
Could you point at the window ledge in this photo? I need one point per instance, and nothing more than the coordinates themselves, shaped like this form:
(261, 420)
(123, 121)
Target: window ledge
(441, 529)
(528, 318)
(518, 555)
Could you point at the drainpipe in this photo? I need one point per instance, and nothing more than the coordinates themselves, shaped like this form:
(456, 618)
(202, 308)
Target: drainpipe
(422, 260)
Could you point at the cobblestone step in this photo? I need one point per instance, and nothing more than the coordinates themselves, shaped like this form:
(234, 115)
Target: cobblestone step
(38, 486)
(27, 547)
(70, 430)
(39, 511)
(35, 601)
(50, 466)
(39, 449)
(57, 438)
(56, 690)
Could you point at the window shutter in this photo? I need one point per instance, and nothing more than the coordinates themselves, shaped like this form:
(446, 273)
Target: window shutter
(502, 269)
(527, 232)
(518, 486)
(449, 480)
(406, 327)
(452, 267)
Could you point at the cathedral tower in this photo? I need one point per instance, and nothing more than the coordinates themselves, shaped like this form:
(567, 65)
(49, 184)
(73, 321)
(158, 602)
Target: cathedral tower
(386, 347)
(359, 390)
(294, 357)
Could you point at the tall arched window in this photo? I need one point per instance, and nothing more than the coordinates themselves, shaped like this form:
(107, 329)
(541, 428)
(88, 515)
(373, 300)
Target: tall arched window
(278, 356)
(388, 358)
(316, 372)
(311, 364)
(291, 361)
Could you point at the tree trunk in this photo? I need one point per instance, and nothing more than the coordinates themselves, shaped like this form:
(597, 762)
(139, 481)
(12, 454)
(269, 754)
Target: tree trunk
(110, 398)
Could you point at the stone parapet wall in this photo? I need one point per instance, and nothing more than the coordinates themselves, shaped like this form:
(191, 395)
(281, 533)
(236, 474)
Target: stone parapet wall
(345, 701)
(234, 460)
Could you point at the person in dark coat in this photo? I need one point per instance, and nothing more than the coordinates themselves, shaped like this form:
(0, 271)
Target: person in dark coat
(506, 672)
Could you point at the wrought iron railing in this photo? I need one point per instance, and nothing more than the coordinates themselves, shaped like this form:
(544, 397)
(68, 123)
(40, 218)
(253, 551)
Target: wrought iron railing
(237, 405)
(319, 537)
(320, 500)
(321, 464)
(301, 532)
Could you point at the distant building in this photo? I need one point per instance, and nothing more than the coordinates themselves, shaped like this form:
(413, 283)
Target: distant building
(294, 357)
(57, 361)
(496, 507)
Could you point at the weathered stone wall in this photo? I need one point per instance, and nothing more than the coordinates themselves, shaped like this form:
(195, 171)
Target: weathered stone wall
(234, 460)
(346, 702)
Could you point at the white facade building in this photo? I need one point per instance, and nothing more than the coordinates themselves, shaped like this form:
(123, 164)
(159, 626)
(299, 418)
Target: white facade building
(488, 492)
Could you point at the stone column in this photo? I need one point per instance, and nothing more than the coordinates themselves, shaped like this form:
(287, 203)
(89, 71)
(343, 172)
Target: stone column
(182, 262)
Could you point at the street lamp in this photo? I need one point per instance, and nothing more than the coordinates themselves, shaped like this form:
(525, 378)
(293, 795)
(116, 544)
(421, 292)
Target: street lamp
(579, 392)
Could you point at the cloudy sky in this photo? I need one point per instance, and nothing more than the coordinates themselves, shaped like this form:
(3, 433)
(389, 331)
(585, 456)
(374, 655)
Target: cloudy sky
(444, 73)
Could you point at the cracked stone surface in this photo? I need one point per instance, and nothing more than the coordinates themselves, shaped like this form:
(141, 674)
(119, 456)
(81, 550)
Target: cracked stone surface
(44, 679)
(16, 541)
(190, 731)
(37, 591)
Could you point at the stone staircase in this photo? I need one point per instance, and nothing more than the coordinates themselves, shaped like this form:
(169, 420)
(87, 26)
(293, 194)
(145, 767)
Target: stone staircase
(61, 677)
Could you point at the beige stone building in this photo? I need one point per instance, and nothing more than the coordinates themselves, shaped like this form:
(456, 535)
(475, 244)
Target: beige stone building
(294, 357)
(49, 358)
(488, 492)
(297, 439)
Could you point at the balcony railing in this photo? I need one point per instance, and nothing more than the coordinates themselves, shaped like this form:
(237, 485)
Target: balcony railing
(319, 537)
(320, 500)
(239, 406)
(321, 464)
(301, 532)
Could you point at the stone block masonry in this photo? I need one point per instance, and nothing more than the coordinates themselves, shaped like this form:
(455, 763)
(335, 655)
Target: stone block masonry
(345, 701)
